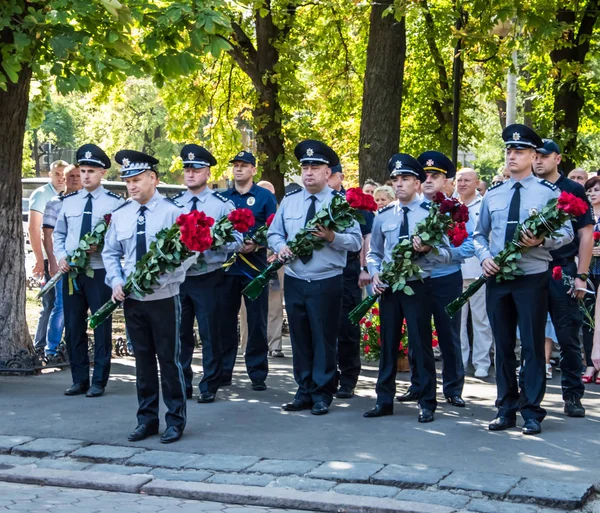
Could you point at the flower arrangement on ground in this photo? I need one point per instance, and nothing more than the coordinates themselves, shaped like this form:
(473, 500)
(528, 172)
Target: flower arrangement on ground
(541, 224)
(338, 215)
(79, 261)
(192, 233)
(447, 217)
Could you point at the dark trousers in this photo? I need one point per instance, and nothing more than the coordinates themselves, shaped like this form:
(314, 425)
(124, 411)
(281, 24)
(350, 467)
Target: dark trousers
(588, 332)
(89, 294)
(257, 348)
(567, 319)
(153, 327)
(313, 309)
(47, 305)
(201, 299)
(394, 308)
(523, 302)
(348, 343)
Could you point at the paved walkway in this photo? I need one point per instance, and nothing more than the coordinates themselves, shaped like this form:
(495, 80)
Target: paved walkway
(51, 499)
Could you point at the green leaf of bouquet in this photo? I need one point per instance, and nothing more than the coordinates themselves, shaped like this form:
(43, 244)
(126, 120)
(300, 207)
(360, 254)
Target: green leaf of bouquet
(408, 290)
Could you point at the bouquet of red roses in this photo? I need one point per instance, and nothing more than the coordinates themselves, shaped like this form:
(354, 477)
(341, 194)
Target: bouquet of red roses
(259, 237)
(191, 233)
(541, 224)
(447, 217)
(79, 261)
(338, 215)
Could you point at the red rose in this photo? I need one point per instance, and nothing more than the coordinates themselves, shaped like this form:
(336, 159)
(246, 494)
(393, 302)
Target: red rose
(439, 197)
(571, 204)
(270, 219)
(366, 337)
(400, 347)
(242, 219)
(367, 349)
(460, 214)
(368, 324)
(357, 199)
(375, 311)
(596, 236)
(557, 273)
(457, 234)
(362, 321)
(378, 328)
(195, 230)
(434, 342)
(107, 218)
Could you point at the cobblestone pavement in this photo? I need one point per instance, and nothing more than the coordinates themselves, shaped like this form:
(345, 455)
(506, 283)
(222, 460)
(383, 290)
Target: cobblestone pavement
(33, 499)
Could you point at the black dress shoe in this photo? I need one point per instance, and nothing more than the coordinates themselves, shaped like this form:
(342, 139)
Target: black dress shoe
(77, 389)
(171, 434)
(95, 391)
(380, 410)
(456, 400)
(345, 393)
(206, 397)
(425, 415)
(502, 423)
(296, 405)
(408, 396)
(573, 407)
(142, 432)
(319, 408)
(259, 386)
(532, 427)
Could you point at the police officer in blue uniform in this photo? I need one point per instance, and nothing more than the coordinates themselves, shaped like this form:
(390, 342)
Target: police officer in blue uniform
(348, 358)
(80, 213)
(313, 285)
(202, 293)
(564, 303)
(446, 284)
(522, 301)
(395, 222)
(152, 321)
(247, 263)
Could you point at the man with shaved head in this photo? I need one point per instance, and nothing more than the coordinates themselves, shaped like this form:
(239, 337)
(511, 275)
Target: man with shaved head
(578, 175)
(467, 180)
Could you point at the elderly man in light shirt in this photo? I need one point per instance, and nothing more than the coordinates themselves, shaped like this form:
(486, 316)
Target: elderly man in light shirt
(467, 181)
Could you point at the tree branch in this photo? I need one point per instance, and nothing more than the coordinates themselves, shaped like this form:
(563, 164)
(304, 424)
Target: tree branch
(582, 40)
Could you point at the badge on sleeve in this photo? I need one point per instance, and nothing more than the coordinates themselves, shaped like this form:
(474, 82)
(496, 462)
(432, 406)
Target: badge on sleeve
(250, 201)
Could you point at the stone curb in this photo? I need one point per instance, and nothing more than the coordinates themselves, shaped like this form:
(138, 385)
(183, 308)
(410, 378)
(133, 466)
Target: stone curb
(75, 479)
(288, 499)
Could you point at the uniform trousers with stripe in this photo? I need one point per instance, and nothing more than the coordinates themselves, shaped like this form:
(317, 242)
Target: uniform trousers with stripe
(153, 327)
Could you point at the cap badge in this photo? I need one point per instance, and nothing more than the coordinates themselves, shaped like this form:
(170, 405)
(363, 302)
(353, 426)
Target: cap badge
(310, 152)
(125, 162)
(88, 155)
(398, 164)
(191, 156)
(250, 201)
(241, 154)
(516, 136)
(430, 163)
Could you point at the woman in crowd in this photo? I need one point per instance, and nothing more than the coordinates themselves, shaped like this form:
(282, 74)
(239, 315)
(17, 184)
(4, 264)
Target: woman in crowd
(384, 195)
(592, 188)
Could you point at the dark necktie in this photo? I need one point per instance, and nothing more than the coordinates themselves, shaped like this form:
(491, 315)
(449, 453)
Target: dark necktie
(404, 227)
(312, 210)
(140, 242)
(86, 223)
(194, 203)
(513, 213)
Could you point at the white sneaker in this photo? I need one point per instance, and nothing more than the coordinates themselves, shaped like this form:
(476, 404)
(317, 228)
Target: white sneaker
(481, 373)
(548, 371)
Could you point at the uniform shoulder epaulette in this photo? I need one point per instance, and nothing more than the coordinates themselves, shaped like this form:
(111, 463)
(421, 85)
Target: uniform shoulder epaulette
(174, 202)
(426, 205)
(338, 193)
(217, 194)
(383, 209)
(499, 184)
(114, 195)
(65, 196)
(178, 195)
(126, 202)
(293, 192)
(548, 184)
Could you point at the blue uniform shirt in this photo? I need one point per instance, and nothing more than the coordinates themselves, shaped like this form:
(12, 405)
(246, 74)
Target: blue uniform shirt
(68, 224)
(214, 205)
(290, 218)
(121, 240)
(262, 203)
(493, 218)
(386, 234)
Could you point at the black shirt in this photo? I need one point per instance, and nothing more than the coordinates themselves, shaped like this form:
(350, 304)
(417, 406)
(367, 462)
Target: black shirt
(570, 250)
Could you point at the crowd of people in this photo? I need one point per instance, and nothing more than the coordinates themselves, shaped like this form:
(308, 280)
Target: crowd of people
(511, 318)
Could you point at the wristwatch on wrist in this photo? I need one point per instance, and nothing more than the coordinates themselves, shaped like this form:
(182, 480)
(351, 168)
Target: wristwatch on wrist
(582, 276)
(365, 269)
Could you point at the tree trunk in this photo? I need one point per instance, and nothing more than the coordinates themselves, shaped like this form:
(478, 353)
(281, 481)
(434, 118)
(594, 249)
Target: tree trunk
(14, 336)
(382, 95)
